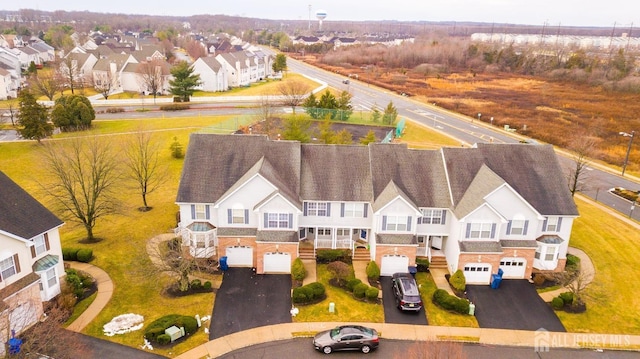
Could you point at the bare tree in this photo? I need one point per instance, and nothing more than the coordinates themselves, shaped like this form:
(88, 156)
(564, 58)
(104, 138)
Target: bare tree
(12, 110)
(433, 350)
(143, 162)
(173, 262)
(82, 176)
(293, 93)
(575, 280)
(266, 108)
(152, 75)
(103, 83)
(46, 83)
(48, 337)
(69, 72)
(581, 150)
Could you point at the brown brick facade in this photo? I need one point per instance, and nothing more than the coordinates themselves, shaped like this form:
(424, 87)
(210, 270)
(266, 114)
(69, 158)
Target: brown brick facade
(384, 249)
(494, 259)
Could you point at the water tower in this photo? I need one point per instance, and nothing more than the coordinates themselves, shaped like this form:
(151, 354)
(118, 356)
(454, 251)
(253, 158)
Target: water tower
(320, 15)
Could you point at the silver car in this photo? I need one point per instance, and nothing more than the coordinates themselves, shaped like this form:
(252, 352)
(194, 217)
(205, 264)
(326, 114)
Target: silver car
(347, 337)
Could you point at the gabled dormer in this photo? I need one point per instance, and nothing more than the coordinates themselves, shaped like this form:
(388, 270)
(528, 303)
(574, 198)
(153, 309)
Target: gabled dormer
(395, 211)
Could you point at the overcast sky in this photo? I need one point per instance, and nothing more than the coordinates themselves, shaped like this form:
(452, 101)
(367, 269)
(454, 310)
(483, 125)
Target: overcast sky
(605, 13)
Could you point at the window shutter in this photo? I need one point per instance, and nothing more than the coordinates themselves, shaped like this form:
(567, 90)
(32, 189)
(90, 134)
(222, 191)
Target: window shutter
(444, 217)
(526, 226)
(193, 211)
(46, 241)
(290, 220)
(246, 216)
(328, 209)
(266, 220)
(16, 260)
(509, 227)
(33, 251)
(468, 231)
(341, 209)
(207, 212)
(229, 215)
(384, 223)
(493, 230)
(305, 209)
(559, 223)
(366, 210)
(409, 219)
(419, 220)
(544, 224)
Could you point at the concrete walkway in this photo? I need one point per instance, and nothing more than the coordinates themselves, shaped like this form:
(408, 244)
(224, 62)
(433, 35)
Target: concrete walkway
(105, 290)
(310, 267)
(438, 275)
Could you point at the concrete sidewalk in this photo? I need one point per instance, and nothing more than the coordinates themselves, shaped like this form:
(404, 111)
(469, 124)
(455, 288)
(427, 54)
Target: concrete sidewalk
(105, 290)
(587, 270)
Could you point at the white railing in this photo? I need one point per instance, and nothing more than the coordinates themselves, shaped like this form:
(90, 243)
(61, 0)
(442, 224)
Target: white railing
(324, 243)
(344, 243)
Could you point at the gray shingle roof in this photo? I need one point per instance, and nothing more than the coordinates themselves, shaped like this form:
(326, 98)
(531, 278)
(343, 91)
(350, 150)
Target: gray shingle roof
(532, 170)
(335, 173)
(277, 236)
(484, 183)
(214, 163)
(392, 238)
(480, 247)
(518, 243)
(236, 232)
(21, 215)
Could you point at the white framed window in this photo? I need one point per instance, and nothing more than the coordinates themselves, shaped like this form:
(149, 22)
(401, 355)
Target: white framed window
(343, 232)
(278, 220)
(550, 253)
(7, 268)
(200, 211)
(317, 209)
(552, 224)
(395, 223)
(40, 245)
(422, 239)
(517, 226)
(52, 278)
(353, 210)
(324, 231)
(237, 215)
(432, 216)
(480, 230)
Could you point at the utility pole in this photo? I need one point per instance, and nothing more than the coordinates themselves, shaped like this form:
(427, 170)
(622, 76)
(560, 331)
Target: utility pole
(626, 158)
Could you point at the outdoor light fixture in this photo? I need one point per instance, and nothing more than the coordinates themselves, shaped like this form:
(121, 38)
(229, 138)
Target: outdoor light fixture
(626, 158)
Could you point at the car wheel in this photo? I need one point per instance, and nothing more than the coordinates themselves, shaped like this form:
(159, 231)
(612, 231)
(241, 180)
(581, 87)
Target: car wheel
(327, 350)
(365, 349)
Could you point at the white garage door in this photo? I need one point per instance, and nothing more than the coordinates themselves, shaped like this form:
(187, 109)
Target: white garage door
(393, 263)
(277, 262)
(513, 268)
(239, 256)
(477, 273)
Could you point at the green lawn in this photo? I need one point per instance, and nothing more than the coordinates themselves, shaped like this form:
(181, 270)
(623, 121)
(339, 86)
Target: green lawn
(347, 308)
(435, 314)
(614, 296)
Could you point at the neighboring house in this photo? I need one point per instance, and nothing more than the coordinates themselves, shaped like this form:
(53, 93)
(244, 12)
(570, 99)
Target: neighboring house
(31, 266)
(135, 76)
(111, 68)
(7, 89)
(46, 52)
(478, 209)
(27, 55)
(212, 75)
(245, 67)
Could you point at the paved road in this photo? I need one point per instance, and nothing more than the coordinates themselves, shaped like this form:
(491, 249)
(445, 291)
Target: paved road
(392, 349)
(467, 130)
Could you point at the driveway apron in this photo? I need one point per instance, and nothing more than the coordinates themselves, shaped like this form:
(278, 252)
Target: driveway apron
(514, 305)
(247, 300)
(391, 312)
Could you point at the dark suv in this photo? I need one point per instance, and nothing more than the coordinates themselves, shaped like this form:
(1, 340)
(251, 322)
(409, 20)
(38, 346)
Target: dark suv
(406, 292)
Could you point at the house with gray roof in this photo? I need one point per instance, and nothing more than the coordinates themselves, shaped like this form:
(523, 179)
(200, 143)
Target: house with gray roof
(31, 267)
(263, 203)
(213, 77)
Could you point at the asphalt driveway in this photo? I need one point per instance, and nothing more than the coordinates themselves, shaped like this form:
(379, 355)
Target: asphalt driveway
(246, 300)
(515, 305)
(394, 315)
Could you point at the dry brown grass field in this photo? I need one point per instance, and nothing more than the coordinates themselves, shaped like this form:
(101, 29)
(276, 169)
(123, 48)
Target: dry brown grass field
(555, 112)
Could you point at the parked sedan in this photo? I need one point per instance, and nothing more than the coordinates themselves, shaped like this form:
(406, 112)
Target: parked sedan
(347, 337)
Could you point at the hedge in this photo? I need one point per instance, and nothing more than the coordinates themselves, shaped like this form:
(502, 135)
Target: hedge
(157, 327)
(298, 272)
(422, 264)
(567, 298)
(325, 256)
(308, 293)
(557, 303)
(163, 339)
(458, 281)
(450, 302)
(373, 271)
(84, 255)
(77, 254)
(174, 107)
(360, 290)
(352, 283)
(372, 293)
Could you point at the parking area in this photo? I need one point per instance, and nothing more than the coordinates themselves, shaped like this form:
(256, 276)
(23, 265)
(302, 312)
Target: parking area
(247, 300)
(391, 312)
(515, 305)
